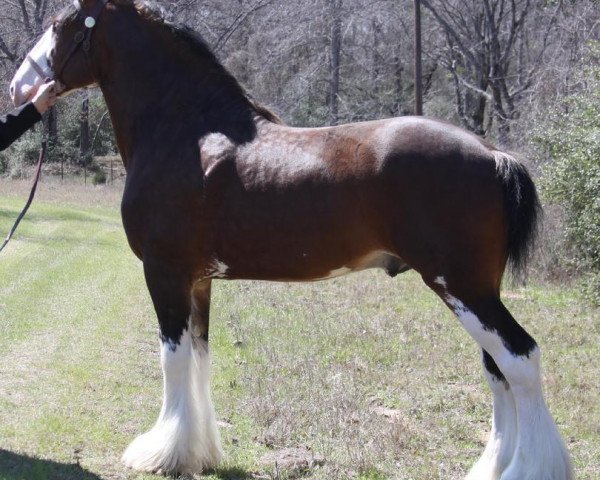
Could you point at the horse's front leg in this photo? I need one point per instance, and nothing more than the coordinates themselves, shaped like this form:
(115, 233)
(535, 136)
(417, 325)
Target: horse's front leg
(185, 437)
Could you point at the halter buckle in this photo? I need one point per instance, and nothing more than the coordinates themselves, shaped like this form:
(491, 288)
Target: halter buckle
(78, 38)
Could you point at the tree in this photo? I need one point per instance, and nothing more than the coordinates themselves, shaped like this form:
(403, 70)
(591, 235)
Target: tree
(493, 50)
(335, 51)
(84, 132)
(572, 176)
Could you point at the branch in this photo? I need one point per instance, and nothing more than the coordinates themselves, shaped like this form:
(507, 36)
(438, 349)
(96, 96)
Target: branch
(98, 129)
(25, 14)
(450, 31)
(12, 56)
(237, 22)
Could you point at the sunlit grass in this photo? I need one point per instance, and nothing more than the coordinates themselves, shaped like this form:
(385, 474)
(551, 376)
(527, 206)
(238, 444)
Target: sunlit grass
(294, 365)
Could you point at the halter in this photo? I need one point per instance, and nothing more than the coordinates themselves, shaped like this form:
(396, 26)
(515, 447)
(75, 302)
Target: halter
(81, 39)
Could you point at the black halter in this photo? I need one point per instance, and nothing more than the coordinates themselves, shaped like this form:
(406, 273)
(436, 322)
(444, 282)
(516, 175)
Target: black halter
(82, 39)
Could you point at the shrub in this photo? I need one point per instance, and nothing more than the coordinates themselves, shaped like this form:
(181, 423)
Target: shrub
(99, 177)
(23, 152)
(572, 177)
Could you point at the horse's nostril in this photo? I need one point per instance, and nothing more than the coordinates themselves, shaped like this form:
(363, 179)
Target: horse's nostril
(12, 90)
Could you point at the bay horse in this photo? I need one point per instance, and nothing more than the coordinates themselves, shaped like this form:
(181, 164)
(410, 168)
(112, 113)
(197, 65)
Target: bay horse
(218, 188)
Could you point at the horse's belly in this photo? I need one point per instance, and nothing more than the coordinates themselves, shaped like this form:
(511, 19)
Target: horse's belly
(291, 269)
(376, 259)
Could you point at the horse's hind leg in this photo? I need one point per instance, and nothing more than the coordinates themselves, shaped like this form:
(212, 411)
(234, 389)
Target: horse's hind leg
(534, 451)
(501, 445)
(185, 437)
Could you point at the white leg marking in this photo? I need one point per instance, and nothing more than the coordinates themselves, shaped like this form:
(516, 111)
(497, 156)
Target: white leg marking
(338, 272)
(501, 444)
(217, 269)
(185, 438)
(539, 453)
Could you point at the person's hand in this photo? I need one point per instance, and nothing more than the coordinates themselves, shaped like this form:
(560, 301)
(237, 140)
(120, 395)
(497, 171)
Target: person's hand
(45, 97)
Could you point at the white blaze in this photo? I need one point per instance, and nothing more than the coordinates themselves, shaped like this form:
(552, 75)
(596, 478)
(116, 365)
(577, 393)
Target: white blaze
(26, 81)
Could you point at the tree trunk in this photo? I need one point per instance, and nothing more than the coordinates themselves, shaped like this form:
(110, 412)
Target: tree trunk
(84, 133)
(418, 69)
(398, 69)
(377, 61)
(334, 60)
(51, 122)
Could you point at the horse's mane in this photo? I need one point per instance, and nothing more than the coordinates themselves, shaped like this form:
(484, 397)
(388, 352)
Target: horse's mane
(198, 46)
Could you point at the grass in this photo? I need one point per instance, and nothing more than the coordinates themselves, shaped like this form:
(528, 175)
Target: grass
(369, 373)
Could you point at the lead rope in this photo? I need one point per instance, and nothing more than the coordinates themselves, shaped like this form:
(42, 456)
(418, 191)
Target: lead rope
(38, 171)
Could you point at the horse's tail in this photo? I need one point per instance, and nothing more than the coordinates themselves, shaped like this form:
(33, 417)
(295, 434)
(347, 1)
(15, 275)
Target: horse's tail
(523, 209)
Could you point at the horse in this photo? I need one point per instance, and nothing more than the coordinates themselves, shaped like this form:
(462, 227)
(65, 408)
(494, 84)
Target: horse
(218, 187)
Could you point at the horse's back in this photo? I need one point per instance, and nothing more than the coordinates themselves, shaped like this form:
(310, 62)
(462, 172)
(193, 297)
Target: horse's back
(368, 148)
(410, 187)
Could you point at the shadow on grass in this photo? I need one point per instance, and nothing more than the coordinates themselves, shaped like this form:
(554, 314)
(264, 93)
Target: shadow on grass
(14, 466)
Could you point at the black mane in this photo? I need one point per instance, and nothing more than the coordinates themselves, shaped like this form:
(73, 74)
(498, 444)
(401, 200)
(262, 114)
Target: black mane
(199, 47)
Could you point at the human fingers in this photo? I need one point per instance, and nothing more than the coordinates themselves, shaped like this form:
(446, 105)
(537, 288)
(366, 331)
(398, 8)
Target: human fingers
(52, 99)
(51, 85)
(45, 97)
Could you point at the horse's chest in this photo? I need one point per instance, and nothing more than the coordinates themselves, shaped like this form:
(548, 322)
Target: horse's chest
(167, 213)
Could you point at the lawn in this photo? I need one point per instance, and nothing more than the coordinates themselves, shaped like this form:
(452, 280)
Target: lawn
(371, 376)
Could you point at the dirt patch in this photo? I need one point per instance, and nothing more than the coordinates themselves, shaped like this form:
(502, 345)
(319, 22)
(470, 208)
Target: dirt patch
(512, 295)
(392, 415)
(296, 458)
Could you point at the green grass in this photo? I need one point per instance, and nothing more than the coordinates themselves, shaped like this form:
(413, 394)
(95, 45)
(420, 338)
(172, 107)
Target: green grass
(294, 365)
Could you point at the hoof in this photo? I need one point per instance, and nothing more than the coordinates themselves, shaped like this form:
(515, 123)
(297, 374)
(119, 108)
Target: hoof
(550, 462)
(484, 469)
(155, 452)
(557, 470)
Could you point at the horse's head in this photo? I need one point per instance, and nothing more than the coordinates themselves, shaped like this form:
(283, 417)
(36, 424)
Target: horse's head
(67, 52)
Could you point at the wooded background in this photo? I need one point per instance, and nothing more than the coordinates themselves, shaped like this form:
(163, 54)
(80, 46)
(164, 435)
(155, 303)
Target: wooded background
(493, 66)
(523, 73)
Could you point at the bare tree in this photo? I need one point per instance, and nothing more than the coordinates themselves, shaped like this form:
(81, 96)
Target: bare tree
(84, 131)
(335, 50)
(493, 51)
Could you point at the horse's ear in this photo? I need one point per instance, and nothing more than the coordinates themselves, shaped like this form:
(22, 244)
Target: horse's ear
(89, 5)
(91, 8)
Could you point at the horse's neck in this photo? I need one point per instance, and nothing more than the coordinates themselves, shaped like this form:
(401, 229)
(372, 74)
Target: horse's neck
(161, 98)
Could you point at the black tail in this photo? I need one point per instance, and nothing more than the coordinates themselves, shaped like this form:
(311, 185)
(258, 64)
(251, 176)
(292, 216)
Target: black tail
(523, 210)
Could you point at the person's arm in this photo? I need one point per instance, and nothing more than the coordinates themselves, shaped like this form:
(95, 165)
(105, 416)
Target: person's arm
(16, 123)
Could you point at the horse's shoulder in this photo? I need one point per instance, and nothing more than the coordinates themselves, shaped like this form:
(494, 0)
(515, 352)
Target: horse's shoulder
(215, 148)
